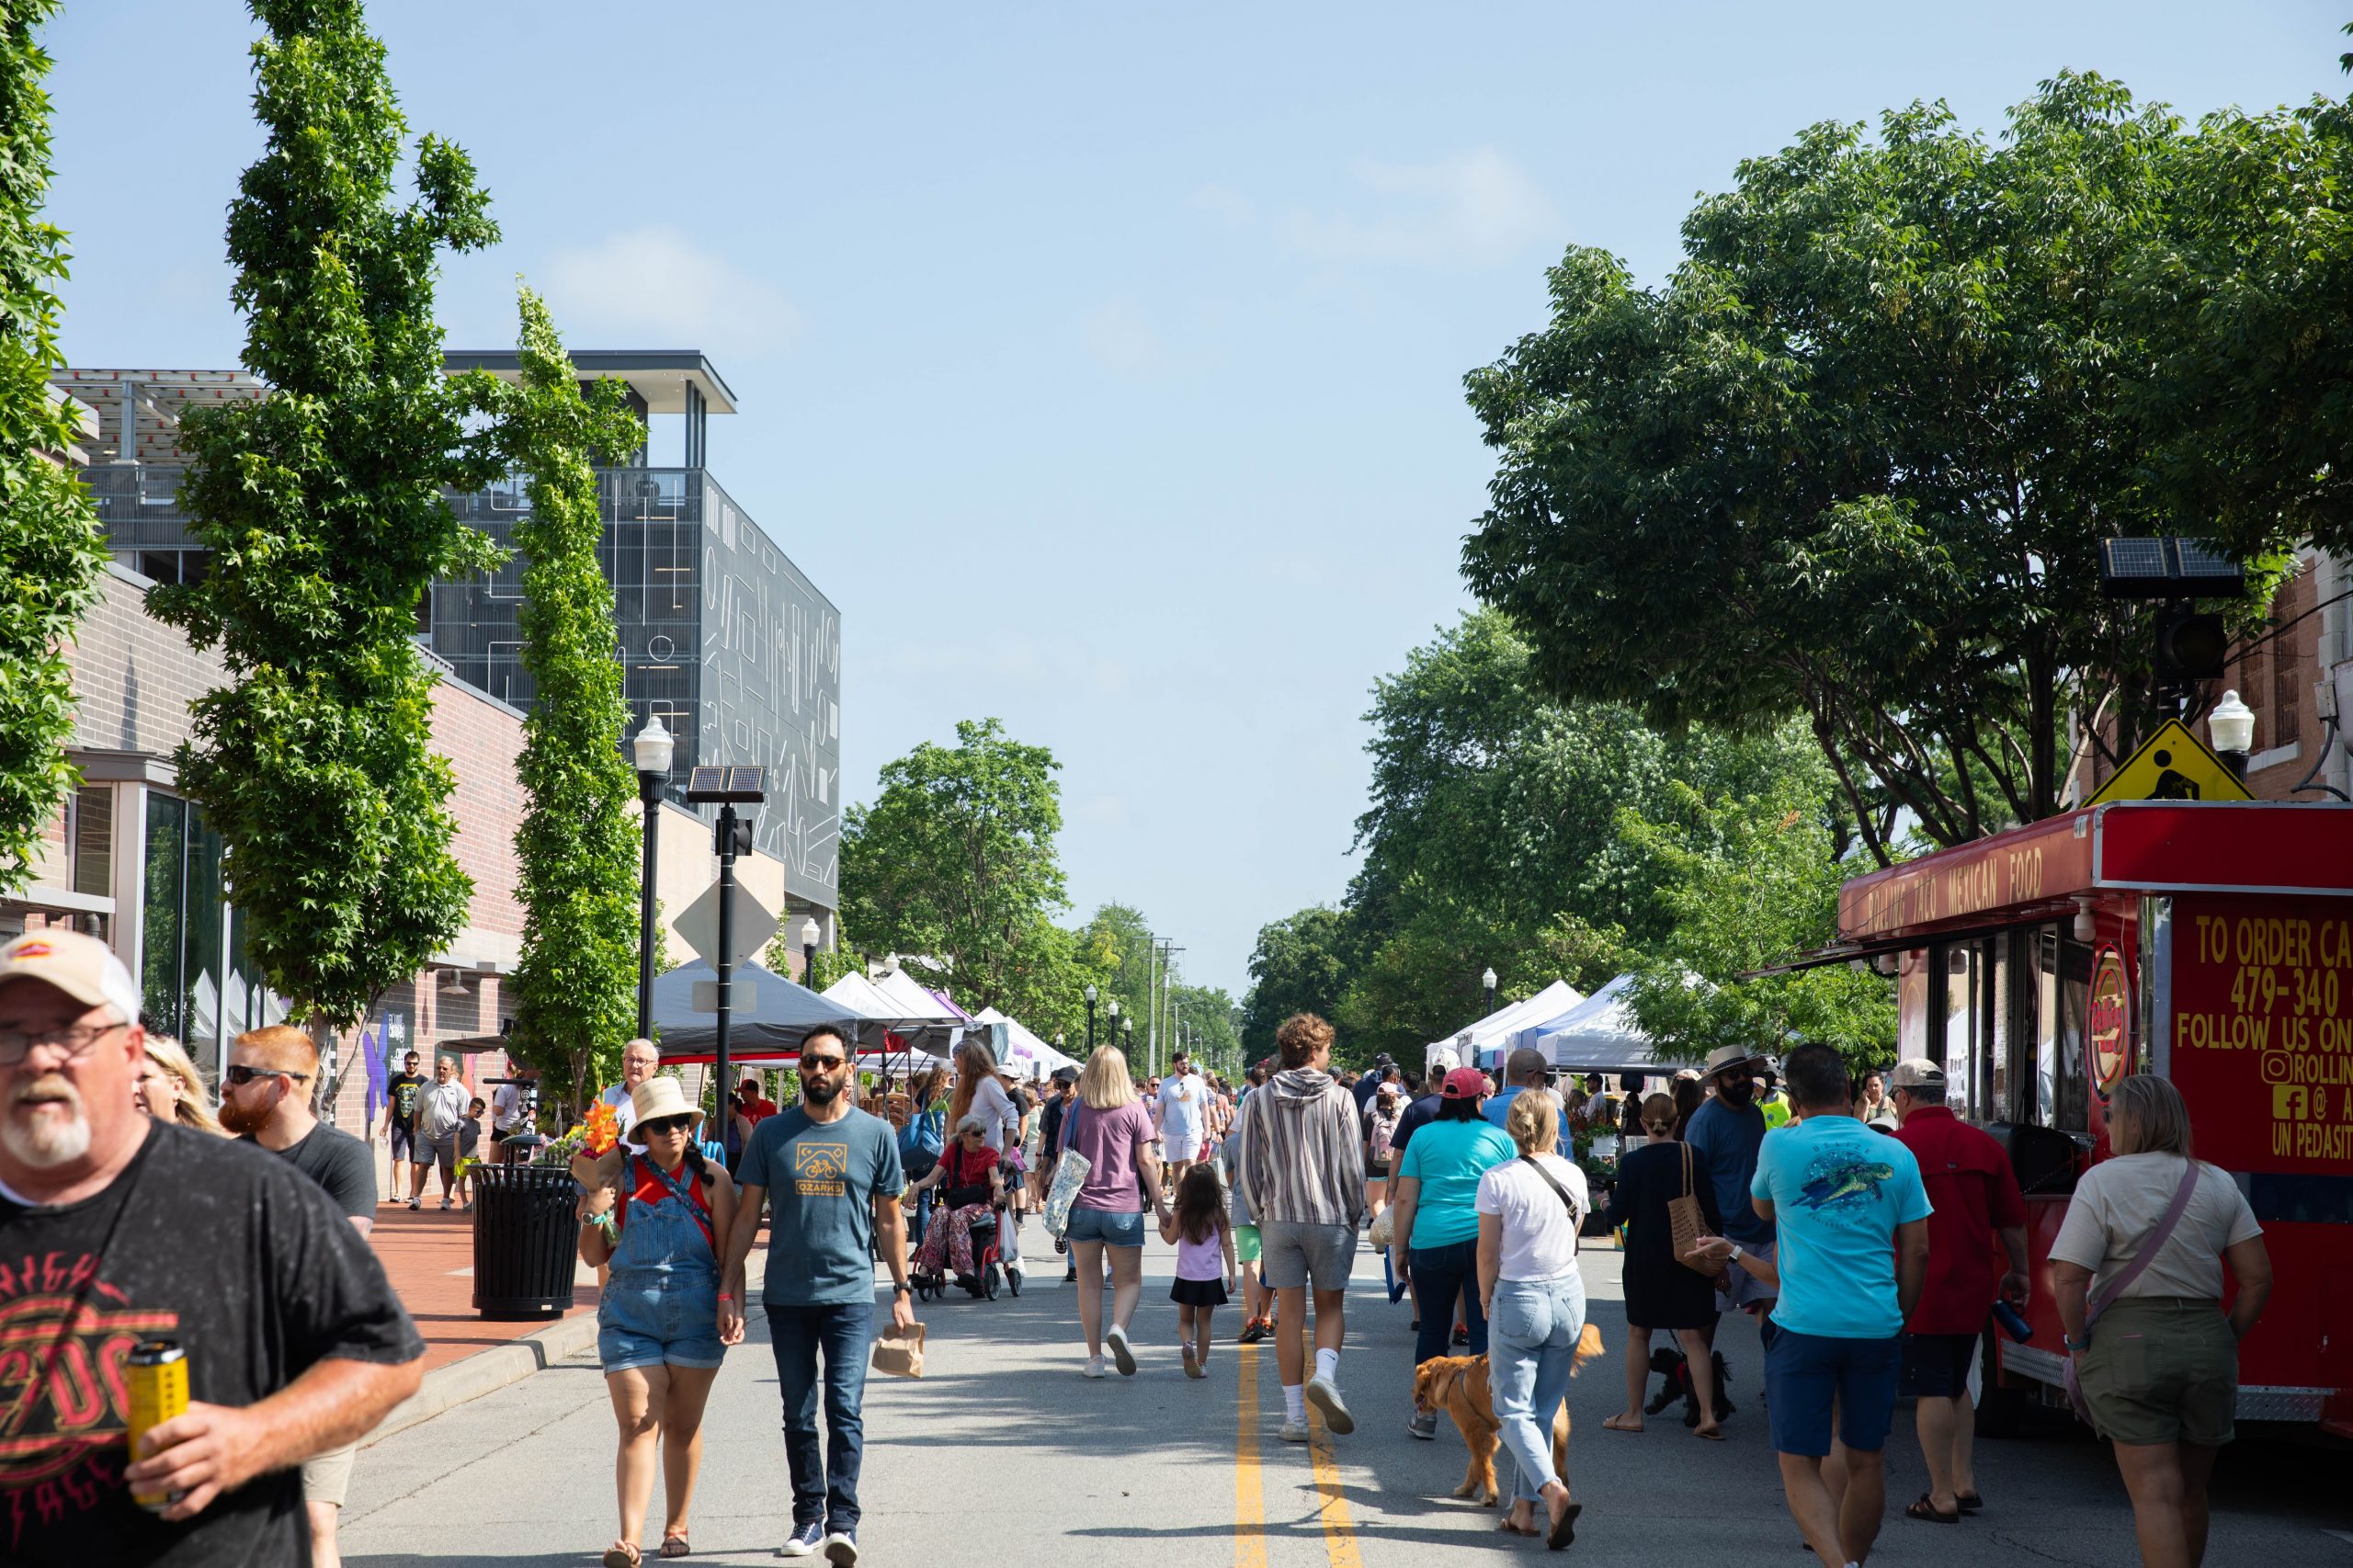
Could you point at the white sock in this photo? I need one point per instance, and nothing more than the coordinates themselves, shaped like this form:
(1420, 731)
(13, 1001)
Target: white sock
(1295, 1403)
(1328, 1364)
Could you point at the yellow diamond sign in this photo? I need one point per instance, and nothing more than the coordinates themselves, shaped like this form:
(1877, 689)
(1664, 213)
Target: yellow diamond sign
(2172, 764)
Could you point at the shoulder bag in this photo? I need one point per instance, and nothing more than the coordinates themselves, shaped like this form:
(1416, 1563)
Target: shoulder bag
(1070, 1174)
(1688, 1223)
(1576, 1216)
(2151, 1245)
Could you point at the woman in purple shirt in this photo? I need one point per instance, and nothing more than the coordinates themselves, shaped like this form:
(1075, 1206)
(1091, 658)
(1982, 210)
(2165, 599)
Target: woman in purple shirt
(1108, 1124)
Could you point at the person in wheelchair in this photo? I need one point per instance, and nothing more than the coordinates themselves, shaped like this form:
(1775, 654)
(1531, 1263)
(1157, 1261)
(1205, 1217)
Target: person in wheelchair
(971, 1179)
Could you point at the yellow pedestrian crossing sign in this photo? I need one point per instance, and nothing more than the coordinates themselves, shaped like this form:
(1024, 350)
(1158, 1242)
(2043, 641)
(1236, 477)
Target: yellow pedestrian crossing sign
(2172, 764)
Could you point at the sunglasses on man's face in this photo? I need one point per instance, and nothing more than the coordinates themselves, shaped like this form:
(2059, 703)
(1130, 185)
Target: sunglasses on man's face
(822, 1064)
(239, 1073)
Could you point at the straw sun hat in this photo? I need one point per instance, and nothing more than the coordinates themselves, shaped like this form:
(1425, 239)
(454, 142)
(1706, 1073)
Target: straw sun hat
(660, 1097)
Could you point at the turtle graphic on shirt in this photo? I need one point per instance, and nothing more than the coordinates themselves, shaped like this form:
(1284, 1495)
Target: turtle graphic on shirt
(1843, 1178)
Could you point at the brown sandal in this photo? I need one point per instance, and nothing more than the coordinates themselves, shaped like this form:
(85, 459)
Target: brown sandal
(1926, 1510)
(1611, 1423)
(675, 1544)
(621, 1554)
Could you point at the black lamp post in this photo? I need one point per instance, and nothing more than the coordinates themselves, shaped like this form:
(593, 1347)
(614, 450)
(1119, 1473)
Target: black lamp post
(1127, 1030)
(1090, 1018)
(809, 935)
(652, 751)
(1488, 980)
(727, 788)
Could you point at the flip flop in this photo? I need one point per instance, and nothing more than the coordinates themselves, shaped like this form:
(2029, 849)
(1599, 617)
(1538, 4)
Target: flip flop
(1925, 1511)
(1713, 1434)
(1565, 1529)
(675, 1544)
(1613, 1424)
(1969, 1502)
(621, 1554)
(1506, 1526)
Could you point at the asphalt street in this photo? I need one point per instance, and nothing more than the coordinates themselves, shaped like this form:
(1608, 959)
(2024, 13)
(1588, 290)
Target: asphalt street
(1002, 1454)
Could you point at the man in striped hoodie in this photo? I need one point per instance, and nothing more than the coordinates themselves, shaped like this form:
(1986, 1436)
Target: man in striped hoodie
(1301, 1174)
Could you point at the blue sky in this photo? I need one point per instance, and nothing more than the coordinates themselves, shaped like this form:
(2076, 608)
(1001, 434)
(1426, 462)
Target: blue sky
(1101, 363)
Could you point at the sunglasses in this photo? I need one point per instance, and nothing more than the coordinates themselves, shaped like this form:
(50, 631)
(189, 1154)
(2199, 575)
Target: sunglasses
(239, 1073)
(666, 1124)
(824, 1063)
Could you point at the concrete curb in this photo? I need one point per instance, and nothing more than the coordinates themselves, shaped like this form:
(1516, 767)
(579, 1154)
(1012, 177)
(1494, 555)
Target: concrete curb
(486, 1371)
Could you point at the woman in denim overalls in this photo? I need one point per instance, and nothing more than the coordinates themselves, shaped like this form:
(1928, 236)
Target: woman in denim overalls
(654, 1216)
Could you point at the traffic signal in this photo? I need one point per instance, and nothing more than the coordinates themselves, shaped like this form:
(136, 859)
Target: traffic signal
(2190, 646)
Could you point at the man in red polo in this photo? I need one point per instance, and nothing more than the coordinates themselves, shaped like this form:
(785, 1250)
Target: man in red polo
(1976, 1197)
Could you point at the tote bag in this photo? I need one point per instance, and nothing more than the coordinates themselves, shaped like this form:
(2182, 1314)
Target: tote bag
(1687, 1222)
(1070, 1174)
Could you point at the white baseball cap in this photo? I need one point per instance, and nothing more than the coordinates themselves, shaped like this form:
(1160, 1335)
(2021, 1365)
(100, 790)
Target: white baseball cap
(83, 967)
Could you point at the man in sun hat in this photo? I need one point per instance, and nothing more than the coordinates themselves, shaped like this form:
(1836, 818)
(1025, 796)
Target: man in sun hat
(1724, 1134)
(295, 1344)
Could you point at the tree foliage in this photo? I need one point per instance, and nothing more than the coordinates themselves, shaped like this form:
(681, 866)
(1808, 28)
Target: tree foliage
(953, 866)
(578, 849)
(50, 551)
(322, 507)
(1300, 965)
(1851, 462)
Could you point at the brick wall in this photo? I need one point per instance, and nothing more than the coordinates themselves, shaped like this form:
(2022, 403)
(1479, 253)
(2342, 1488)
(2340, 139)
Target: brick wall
(134, 676)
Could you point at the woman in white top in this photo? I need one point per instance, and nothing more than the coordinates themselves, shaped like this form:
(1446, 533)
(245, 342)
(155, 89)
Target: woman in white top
(1529, 1210)
(2159, 1368)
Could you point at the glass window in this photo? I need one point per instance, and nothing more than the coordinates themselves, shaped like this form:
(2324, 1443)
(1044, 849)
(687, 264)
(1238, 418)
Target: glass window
(94, 840)
(2064, 983)
(167, 850)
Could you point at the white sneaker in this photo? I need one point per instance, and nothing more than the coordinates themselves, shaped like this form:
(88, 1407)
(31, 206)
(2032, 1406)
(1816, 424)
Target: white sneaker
(1292, 1431)
(1325, 1396)
(1094, 1367)
(1126, 1358)
(445, 1203)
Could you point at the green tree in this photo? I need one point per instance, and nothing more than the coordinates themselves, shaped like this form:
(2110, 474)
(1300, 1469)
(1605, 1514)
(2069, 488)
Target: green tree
(50, 551)
(953, 867)
(577, 852)
(1852, 462)
(1300, 965)
(322, 507)
(1748, 881)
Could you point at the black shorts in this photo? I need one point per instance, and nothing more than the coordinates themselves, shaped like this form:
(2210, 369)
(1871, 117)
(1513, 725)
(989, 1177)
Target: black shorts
(1936, 1366)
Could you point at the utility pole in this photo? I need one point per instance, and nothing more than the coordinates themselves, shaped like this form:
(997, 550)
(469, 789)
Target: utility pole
(1151, 996)
(1168, 986)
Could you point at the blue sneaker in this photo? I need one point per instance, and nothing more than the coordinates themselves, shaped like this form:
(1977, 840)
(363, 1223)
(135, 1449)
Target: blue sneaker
(805, 1540)
(841, 1548)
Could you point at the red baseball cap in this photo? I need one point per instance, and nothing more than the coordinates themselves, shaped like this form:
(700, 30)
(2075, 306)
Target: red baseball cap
(1463, 1084)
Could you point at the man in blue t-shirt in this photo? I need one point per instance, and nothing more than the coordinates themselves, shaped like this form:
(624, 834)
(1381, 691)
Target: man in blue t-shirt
(1724, 1134)
(1525, 1069)
(829, 1174)
(1852, 1219)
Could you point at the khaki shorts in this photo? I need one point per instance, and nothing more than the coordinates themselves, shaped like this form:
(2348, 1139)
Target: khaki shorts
(1294, 1255)
(2162, 1370)
(328, 1477)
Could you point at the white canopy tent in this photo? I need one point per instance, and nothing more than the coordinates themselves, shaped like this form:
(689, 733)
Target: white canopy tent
(1598, 1035)
(1477, 1044)
(1023, 1052)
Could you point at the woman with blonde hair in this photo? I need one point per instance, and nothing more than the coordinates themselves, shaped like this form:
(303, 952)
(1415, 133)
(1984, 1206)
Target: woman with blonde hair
(1108, 1125)
(1532, 1298)
(2137, 1273)
(170, 1089)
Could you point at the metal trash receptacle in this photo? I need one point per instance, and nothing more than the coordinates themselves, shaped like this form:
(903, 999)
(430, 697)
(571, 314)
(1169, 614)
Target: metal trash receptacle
(525, 1241)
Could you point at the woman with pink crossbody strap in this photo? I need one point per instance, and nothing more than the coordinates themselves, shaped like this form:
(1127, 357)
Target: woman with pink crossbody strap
(2151, 1350)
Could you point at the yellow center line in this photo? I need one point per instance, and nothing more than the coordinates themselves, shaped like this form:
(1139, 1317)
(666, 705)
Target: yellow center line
(1249, 1496)
(1339, 1529)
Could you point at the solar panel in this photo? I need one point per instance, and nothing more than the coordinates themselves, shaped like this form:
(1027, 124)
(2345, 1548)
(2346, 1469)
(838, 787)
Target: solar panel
(747, 779)
(2167, 569)
(2133, 559)
(742, 784)
(706, 783)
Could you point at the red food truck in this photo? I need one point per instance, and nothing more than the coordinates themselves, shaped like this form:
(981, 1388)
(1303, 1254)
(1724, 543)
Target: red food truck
(2209, 943)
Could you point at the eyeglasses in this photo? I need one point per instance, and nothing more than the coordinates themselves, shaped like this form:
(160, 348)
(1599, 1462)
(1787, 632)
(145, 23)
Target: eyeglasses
(238, 1072)
(824, 1063)
(76, 1039)
(667, 1124)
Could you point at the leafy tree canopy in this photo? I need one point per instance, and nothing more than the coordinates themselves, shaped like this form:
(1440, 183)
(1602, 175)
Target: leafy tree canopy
(322, 507)
(49, 550)
(1300, 965)
(1852, 461)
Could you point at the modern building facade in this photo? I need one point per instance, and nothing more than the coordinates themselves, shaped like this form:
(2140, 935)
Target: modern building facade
(719, 633)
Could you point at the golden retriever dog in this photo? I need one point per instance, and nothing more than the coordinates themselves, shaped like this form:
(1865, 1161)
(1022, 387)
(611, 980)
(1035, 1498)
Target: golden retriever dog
(1458, 1385)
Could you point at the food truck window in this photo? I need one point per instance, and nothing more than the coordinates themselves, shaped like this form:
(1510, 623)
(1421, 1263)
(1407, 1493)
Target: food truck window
(2063, 994)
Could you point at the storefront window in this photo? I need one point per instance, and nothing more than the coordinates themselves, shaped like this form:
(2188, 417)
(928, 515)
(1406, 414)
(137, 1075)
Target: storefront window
(186, 931)
(2063, 978)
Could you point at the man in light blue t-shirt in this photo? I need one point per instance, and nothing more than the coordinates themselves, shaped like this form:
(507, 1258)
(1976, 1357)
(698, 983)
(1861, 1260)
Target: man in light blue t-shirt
(1851, 1219)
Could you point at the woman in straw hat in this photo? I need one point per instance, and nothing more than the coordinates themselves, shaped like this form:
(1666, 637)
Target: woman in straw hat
(654, 1218)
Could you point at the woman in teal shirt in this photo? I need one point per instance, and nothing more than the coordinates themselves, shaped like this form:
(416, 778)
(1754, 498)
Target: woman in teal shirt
(1437, 1220)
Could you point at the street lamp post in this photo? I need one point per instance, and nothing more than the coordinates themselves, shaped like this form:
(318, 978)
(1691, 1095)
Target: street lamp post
(1127, 1037)
(1488, 980)
(2232, 725)
(1090, 1018)
(727, 788)
(809, 935)
(1112, 1028)
(652, 751)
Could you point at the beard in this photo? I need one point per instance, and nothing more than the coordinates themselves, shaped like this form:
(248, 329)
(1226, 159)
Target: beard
(58, 1132)
(821, 1091)
(1739, 1090)
(240, 1120)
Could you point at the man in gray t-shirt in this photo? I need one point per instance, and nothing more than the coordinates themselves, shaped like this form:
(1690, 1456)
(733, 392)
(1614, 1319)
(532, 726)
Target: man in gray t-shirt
(829, 1174)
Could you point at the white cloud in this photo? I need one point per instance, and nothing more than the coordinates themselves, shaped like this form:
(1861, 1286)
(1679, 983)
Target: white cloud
(1473, 209)
(1225, 204)
(657, 286)
(1122, 337)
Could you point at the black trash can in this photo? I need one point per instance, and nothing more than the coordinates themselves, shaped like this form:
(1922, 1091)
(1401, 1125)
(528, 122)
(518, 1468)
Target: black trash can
(527, 1231)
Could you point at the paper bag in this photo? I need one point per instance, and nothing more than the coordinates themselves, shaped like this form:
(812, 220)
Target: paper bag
(899, 1352)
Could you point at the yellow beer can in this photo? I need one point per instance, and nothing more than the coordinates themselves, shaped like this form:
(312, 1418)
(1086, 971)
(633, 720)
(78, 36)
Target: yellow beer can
(155, 1379)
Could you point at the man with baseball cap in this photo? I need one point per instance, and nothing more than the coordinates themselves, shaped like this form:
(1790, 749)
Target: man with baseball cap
(1976, 1197)
(295, 1343)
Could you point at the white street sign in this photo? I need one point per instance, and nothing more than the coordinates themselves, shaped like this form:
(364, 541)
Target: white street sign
(698, 926)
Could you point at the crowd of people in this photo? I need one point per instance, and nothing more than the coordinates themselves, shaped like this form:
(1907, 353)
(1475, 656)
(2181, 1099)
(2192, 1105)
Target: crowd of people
(1866, 1227)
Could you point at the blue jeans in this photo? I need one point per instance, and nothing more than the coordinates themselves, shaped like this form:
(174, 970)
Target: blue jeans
(1533, 1343)
(824, 1489)
(1440, 1274)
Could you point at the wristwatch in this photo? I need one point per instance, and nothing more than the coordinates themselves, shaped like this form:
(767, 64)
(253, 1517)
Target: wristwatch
(902, 1289)
(1735, 1252)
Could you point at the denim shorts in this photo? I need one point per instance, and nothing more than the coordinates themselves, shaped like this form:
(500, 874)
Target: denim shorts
(1108, 1226)
(653, 1320)
(1806, 1373)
